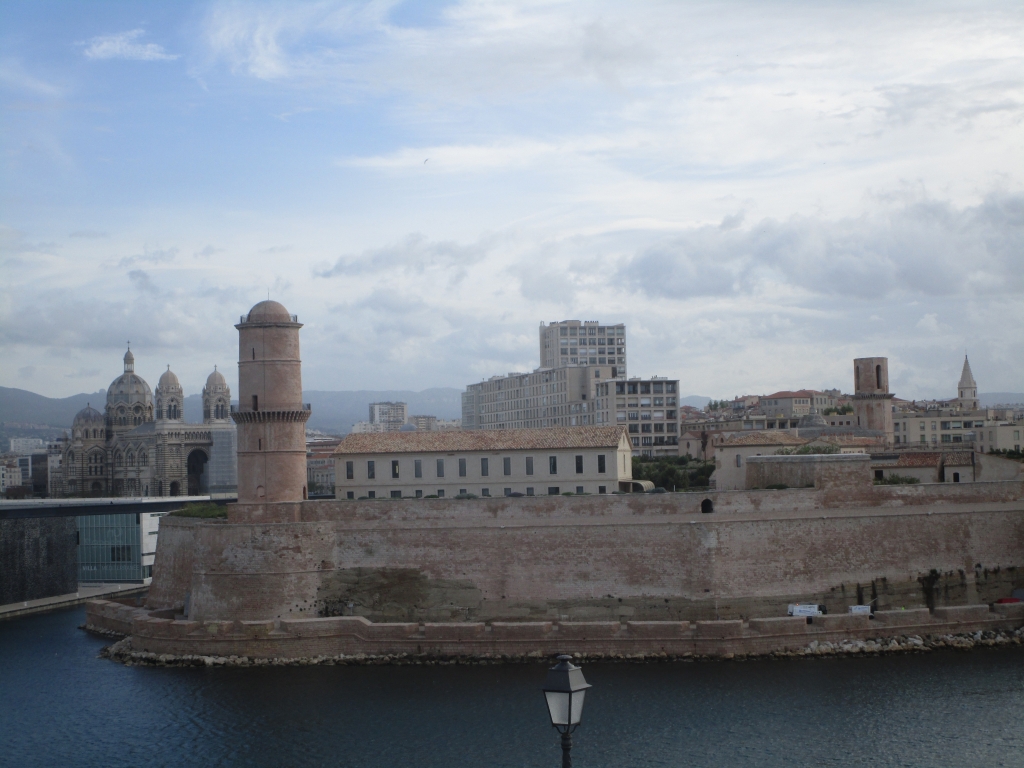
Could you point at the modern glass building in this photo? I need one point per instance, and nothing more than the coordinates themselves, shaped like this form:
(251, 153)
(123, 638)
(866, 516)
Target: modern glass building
(117, 547)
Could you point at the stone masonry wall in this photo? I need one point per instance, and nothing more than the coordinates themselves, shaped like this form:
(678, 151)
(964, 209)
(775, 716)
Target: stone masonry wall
(609, 558)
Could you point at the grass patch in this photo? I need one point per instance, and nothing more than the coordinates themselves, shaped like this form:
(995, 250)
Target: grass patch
(205, 509)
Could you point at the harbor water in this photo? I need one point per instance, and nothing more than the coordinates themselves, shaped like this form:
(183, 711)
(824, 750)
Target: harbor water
(60, 705)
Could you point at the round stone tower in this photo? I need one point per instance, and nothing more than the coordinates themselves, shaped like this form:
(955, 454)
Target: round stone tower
(872, 401)
(271, 416)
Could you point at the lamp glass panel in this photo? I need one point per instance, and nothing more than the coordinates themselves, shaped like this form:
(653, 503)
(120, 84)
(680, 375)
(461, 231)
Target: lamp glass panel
(558, 706)
(577, 707)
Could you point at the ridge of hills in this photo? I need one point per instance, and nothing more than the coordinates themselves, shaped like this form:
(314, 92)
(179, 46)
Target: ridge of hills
(333, 411)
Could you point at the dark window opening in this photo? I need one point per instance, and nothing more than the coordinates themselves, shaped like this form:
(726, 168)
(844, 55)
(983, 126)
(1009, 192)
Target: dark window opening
(371, 470)
(707, 507)
(483, 467)
(601, 464)
(350, 470)
(553, 465)
(529, 465)
(255, 403)
(878, 376)
(579, 465)
(440, 469)
(506, 465)
(394, 469)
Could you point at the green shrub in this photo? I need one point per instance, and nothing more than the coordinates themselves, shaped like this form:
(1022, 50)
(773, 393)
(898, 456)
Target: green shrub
(204, 509)
(895, 479)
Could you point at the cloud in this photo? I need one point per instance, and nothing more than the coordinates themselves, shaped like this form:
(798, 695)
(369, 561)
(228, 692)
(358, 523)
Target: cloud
(27, 371)
(141, 281)
(911, 250)
(207, 251)
(14, 76)
(415, 254)
(126, 45)
(155, 256)
(89, 234)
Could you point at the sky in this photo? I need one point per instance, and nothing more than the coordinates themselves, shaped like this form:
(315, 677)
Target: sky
(760, 191)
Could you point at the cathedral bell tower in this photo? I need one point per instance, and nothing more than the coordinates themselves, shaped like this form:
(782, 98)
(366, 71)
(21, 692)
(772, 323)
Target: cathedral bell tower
(271, 416)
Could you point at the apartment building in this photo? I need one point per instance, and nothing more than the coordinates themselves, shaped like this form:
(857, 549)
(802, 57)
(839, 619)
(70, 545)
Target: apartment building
(569, 343)
(512, 462)
(952, 427)
(648, 408)
(391, 416)
(548, 397)
(787, 404)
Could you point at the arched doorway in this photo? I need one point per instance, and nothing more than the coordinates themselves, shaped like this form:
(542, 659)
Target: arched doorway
(197, 482)
(175, 488)
(96, 489)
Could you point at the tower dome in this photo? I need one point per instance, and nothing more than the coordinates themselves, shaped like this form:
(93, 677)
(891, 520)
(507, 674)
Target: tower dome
(216, 398)
(268, 312)
(216, 381)
(169, 397)
(168, 380)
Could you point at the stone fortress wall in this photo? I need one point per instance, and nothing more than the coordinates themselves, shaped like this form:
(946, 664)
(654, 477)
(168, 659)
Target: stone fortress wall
(683, 573)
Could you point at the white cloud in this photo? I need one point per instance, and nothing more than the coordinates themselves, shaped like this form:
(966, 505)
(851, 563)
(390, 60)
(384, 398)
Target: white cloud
(126, 45)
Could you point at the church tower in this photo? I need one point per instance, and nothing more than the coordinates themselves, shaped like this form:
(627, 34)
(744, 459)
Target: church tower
(216, 399)
(872, 401)
(271, 416)
(170, 397)
(967, 389)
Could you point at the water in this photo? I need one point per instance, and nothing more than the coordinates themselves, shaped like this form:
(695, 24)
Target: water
(61, 706)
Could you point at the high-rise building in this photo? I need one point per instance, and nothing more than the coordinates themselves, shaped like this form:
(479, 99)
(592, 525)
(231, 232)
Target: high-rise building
(572, 343)
(391, 416)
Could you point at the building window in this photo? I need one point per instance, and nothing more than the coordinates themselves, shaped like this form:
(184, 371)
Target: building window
(462, 467)
(506, 464)
(350, 495)
(552, 465)
(440, 467)
(529, 491)
(349, 470)
(419, 494)
(371, 471)
(600, 463)
(485, 492)
(579, 489)
(956, 477)
(394, 469)
(440, 493)
(417, 468)
(396, 494)
(508, 491)
(634, 429)
(483, 467)
(579, 465)
(553, 490)
(529, 465)
(371, 495)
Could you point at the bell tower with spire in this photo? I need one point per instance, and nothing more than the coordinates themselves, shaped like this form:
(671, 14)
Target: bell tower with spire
(967, 389)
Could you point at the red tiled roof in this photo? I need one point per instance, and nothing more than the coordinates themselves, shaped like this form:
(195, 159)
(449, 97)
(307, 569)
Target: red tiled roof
(763, 437)
(919, 459)
(958, 459)
(453, 441)
(798, 393)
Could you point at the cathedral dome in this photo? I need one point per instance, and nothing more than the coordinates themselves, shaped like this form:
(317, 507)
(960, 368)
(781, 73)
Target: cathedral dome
(129, 388)
(88, 417)
(168, 380)
(269, 312)
(216, 381)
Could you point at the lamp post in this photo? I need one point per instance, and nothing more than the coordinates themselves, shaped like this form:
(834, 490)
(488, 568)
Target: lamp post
(564, 690)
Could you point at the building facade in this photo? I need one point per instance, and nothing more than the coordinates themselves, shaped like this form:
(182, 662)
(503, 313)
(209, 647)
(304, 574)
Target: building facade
(141, 445)
(528, 462)
(390, 416)
(572, 342)
(648, 408)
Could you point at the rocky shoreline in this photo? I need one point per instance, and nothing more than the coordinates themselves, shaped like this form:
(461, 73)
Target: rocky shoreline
(122, 651)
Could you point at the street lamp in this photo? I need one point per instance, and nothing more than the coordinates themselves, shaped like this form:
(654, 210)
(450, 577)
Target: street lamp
(564, 690)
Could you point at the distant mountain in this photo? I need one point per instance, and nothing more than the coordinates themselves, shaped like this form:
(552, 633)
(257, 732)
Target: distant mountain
(333, 412)
(19, 405)
(992, 399)
(336, 412)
